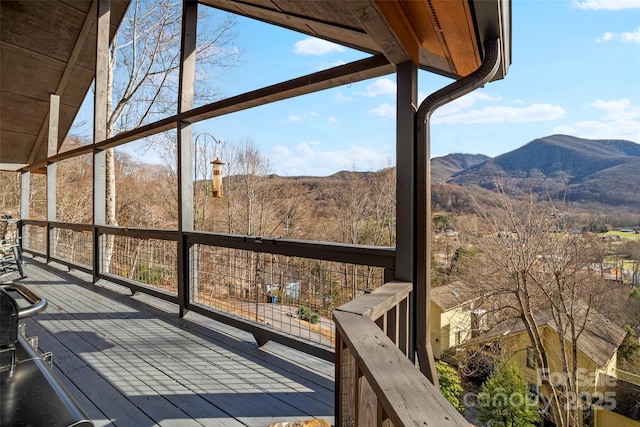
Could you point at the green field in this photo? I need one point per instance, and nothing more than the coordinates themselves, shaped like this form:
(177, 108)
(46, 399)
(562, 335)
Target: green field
(624, 236)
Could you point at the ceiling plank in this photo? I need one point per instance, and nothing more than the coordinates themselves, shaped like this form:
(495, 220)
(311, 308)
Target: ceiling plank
(62, 84)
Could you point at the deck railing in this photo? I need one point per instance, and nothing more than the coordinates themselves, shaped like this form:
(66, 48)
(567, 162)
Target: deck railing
(376, 384)
(232, 279)
(277, 289)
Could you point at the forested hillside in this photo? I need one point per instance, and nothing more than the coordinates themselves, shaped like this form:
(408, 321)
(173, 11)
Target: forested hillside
(597, 178)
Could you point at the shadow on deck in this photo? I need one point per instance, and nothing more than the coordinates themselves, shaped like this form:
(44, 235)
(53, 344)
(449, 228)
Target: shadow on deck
(132, 361)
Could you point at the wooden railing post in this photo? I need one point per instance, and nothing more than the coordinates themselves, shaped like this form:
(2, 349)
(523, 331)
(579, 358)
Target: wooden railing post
(346, 379)
(49, 241)
(183, 274)
(376, 383)
(96, 254)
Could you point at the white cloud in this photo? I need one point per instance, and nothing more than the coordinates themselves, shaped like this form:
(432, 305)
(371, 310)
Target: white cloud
(384, 110)
(606, 4)
(503, 114)
(627, 37)
(340, 97)
(309, 158)
(619, 121)
(333, 119)
(631, 36)
(465, 102)
(616, 129)
(617, 109)
(141, 153)
(281, 151)
(315, 46)
(381, 87)
(605, 37)
(292, 118)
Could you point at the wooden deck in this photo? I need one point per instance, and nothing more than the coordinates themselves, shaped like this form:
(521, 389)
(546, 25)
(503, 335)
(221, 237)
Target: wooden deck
(132, 361)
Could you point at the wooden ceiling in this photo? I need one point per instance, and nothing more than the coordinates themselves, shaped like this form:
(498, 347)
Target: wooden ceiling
(47, 47)
(442, 36)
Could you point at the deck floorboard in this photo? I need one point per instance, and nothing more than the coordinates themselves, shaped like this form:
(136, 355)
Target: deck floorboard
(132, 361)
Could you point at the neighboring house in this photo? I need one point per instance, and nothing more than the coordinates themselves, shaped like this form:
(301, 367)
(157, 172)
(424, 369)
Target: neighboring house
(597, 358)
(455, 315)
(597, 344)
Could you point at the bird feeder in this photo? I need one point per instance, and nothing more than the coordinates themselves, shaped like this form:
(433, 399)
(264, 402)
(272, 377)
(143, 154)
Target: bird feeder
(217, 177)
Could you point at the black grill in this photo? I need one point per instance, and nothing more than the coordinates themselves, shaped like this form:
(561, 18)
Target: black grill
(30, 393)
(8, 332)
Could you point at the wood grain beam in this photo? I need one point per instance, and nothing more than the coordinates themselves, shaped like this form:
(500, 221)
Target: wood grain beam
(68, 70)
(353, 72)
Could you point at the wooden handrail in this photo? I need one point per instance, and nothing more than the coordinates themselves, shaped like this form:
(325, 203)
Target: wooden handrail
(369, 256)
(377, 256)
(376, 384)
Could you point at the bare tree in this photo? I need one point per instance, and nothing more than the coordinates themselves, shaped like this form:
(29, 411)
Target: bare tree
(10, 195)
(144, 66)
(250, 200)
(350, 210)
(73, 183)
(534, 270)
(293, 216)
(383, 199)
(144, 61)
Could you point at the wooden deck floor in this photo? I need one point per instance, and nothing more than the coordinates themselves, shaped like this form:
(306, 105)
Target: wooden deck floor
(132, 361)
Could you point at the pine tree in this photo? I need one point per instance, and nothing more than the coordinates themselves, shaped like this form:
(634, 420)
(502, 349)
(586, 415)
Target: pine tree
(450, 386)
(504, 399)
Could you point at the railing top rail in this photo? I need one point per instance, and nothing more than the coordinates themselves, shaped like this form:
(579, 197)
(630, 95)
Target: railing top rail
(71, 226)
(378, 256)
(379, 301)
(77, 226)
(142, 233)
(407, 396)
(38, 222)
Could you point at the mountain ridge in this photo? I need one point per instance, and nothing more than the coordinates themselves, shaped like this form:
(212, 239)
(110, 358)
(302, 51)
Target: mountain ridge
(582, 170)
(596, 172)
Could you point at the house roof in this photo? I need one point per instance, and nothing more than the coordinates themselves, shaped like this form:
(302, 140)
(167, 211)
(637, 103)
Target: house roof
(454, 294)
(599, 341)
(48, 47)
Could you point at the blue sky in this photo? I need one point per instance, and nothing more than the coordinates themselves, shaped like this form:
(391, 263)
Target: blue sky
(575, 70)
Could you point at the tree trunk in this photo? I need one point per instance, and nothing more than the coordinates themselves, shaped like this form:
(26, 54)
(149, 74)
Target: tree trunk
(110, 172)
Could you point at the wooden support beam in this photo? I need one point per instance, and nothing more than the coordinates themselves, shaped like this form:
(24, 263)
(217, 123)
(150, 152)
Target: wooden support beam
(186, 89)
(52, 149)
(25, 188)
(353, 72)
(406, 240)
(100, 128)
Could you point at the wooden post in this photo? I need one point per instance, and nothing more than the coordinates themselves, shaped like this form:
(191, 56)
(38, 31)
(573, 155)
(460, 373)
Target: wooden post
(52, 150)
(25, 188)
(407, 77)
(185, 150)
(367, 403)
(100, 129)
